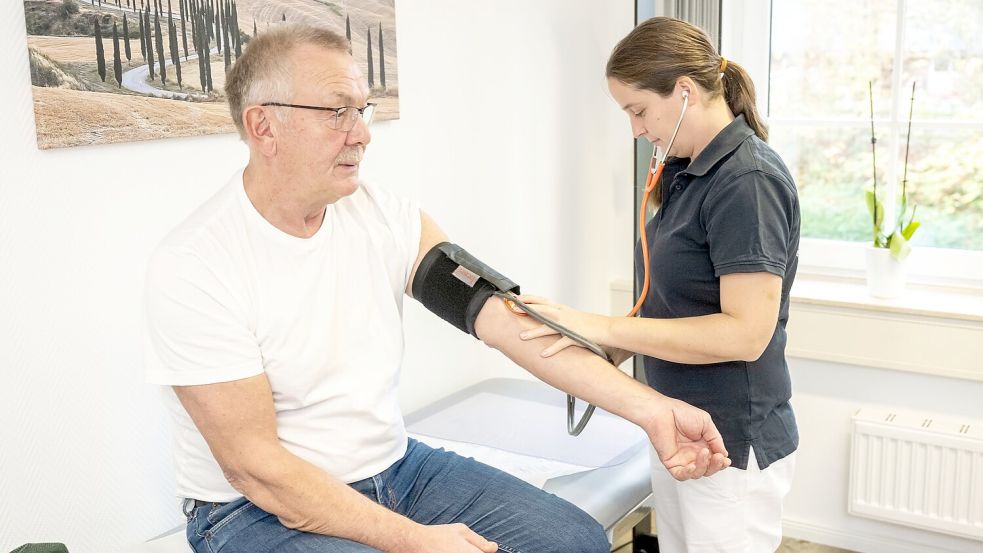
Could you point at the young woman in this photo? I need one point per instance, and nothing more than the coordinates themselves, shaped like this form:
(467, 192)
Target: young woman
(723, 252)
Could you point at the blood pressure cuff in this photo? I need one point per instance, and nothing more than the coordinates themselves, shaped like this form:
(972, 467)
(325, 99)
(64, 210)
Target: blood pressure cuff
(455, 285)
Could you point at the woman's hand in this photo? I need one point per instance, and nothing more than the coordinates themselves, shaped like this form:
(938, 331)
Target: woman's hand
(593, 327)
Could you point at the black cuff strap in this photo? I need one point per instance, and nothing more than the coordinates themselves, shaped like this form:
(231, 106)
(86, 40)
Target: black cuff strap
(454, 285)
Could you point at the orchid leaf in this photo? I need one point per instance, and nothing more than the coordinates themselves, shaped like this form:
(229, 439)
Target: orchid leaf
(872, 201)
(899, 246)
(909, 230)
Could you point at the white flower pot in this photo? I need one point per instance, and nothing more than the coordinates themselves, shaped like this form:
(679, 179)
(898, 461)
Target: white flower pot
(885, 274)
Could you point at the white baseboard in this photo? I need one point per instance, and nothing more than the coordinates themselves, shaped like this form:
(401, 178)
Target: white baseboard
(865, 543)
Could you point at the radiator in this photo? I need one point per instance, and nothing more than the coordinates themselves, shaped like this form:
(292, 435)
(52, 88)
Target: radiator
(918, 471)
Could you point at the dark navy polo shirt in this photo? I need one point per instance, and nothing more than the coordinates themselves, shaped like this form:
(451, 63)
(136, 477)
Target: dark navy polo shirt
(734, 209)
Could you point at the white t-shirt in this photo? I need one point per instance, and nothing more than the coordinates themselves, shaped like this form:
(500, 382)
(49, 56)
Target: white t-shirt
(230, 296)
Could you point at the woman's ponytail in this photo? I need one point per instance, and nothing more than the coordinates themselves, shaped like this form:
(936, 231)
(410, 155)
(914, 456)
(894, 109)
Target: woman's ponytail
(740, 97)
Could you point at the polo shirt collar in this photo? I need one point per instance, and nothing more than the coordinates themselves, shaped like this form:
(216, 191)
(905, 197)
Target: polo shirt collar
(722, 145)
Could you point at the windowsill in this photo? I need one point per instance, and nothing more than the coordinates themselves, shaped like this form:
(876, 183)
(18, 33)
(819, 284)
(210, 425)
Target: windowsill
(917, 299)
(929, 330)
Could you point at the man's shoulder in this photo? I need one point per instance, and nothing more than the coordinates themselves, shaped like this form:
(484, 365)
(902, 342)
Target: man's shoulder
(212, 216)
(372, 202)
(203, 233)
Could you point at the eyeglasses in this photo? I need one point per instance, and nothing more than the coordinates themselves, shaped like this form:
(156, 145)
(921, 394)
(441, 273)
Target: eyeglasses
(343, 118)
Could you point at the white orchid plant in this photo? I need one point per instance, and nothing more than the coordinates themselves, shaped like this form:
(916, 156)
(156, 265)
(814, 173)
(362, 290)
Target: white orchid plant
(896, 233)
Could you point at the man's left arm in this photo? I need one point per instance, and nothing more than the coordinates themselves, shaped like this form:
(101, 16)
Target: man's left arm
(684, 436)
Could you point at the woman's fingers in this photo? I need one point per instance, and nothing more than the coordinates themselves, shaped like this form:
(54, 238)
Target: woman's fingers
(538, 332)
(535, 300)
(558, 346)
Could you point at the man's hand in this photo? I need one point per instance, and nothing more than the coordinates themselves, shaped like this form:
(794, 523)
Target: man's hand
(448, 538)
(686, 440)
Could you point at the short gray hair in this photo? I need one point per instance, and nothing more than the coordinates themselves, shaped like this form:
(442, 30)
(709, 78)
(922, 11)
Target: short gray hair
(263, 73)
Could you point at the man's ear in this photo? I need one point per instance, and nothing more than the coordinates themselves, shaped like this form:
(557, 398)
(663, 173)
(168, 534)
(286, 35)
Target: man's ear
(260, 129)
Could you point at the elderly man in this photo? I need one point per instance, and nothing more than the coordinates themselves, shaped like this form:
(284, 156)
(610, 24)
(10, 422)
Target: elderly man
(274, 316)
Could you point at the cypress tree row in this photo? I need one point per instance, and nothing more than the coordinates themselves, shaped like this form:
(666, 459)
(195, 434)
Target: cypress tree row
(200, 26)
(176, 54)
(382, 60)
(208, 65)
(159, 39)
(226, 31)
(126, 38)
(216, 31)
(238, 33)
(202, 45)
(255, 32)
(143, 39)
(150, 41)
(117, 62)
(348, 32)
(100, 52)
(371, 76)
(184, 31)
(193, 17)
(218, 27)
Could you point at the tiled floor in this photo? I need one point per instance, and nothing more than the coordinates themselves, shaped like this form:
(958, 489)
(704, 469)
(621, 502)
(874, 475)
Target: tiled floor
(798, 546)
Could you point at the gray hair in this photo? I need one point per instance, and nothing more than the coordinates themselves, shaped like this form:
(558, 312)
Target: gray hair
(263, 73)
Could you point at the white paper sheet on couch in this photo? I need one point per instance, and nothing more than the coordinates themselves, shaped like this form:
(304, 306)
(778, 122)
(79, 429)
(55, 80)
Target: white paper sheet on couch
(534, 470)
(532, 429)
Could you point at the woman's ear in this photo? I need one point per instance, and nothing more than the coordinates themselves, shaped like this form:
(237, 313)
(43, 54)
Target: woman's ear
(686, 88)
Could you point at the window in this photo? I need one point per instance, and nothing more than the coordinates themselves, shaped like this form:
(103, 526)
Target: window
(811, 61)
(823, 53)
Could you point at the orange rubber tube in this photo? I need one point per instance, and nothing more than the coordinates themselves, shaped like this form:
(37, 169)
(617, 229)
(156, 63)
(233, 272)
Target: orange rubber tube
(650, 182)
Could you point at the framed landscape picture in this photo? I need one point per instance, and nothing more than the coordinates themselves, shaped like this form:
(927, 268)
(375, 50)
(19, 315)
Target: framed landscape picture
(126, 70)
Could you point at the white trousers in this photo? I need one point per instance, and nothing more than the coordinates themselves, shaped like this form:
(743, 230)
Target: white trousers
(733, 511)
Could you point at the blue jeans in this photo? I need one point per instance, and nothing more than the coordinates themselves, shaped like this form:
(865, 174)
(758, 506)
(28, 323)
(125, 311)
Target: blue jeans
(429, 486)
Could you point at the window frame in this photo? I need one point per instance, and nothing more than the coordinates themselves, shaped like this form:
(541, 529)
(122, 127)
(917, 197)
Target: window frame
(746, 38)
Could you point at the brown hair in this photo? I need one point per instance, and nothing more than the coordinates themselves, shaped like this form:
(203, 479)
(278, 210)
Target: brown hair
(263, 73)
(659, 51)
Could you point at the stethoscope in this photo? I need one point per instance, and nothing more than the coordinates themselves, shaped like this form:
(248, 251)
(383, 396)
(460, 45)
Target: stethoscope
(656, 167)
(651, 180)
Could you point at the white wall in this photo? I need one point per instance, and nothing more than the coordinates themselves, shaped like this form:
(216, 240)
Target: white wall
(507, 136)
(825, 397)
